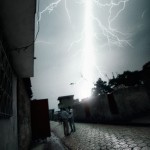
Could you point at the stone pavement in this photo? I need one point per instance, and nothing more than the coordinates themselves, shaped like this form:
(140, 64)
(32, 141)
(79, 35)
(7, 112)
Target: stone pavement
(104, 137)
(51, 143)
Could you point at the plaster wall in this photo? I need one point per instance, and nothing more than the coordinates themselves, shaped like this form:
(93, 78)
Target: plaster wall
(8, 127)
(131, 103)
(17, 20)
(79, 112)
(24, 117)
(100, 109)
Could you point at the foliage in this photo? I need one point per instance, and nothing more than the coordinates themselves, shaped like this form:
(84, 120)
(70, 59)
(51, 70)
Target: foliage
(128, 78)
(101, 87)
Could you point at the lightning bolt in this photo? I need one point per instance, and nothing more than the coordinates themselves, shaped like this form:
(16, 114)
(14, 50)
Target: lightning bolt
(49, 8)
(142, 16)
(108, 32)
(76, 41)
(67, 11)
(87, 35)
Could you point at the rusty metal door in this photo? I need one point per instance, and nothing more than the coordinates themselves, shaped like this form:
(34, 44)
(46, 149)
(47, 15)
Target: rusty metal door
(40, 119)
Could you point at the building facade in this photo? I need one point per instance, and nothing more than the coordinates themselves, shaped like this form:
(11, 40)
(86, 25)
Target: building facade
(65, 101)
(17, 20)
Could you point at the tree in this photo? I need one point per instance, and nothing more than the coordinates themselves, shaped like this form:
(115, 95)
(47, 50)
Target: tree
(128, 78)
(101, 87)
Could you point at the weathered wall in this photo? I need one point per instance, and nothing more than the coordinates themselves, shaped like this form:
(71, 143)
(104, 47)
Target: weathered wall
(24, 117)
(129, 103)
(8, 127)
(100, 109)
(146, 77)
(132, 101)
(18, 23)
(79, 112)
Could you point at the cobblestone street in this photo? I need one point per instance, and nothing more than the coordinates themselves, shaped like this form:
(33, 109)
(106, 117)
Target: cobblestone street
(104, 137)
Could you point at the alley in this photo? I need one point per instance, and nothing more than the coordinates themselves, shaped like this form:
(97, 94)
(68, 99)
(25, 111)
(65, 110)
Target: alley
(104, 137)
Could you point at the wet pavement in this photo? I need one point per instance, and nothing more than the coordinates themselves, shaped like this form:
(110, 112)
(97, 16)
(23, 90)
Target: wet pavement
(104, 137)
(51, 143)
(54, 143)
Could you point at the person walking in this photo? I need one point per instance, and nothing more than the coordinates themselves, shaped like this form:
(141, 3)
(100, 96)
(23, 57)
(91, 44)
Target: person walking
(65, 116)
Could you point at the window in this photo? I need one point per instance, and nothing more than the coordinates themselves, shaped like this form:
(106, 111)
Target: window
(5, 85)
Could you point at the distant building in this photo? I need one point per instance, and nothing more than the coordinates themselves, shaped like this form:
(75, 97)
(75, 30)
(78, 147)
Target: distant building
(66, 101)
(76, 101)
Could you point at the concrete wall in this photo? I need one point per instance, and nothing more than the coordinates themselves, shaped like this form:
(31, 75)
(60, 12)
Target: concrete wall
(24, 117)
(8, 127)
(130, 103)
(79, 112)
(100, 109)
(18, 23)
(146, 77)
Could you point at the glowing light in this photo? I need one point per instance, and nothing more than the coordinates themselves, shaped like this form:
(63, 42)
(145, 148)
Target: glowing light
(88, 52)
(85, 90)
(88, 35)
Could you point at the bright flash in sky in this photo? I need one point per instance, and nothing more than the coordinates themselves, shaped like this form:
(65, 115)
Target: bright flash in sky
(88, 52)
(88, 36)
